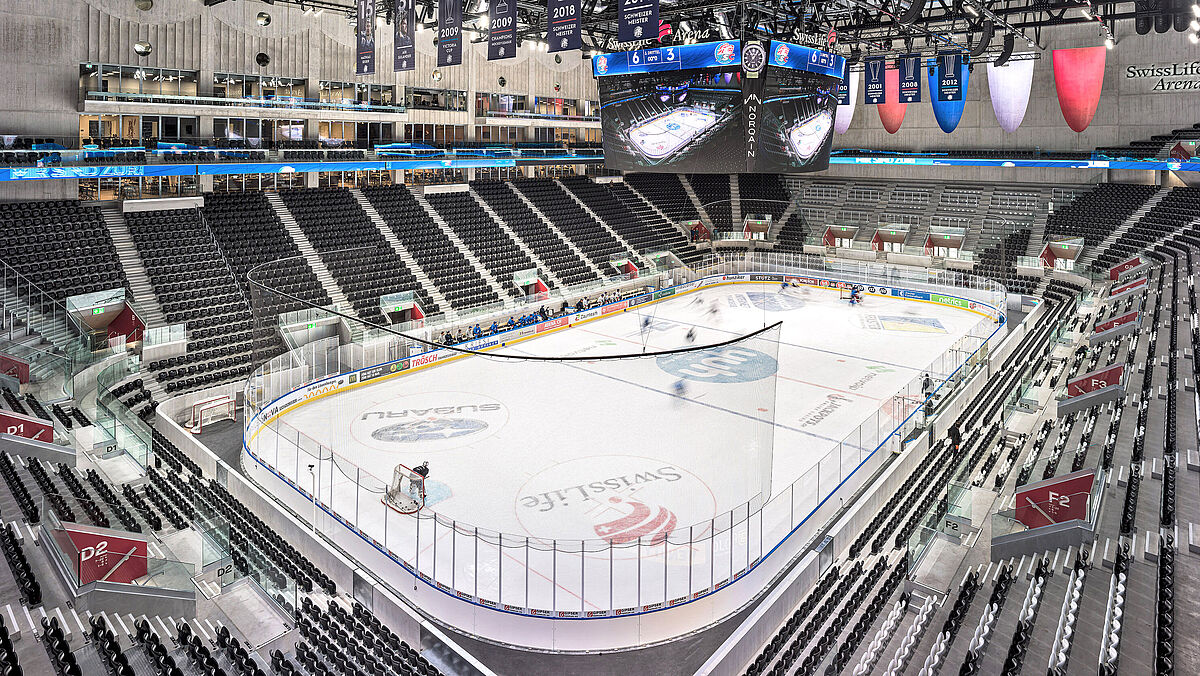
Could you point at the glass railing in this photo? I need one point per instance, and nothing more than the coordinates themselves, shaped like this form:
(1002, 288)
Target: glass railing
(115, 422)
(162, 335)
(539, 575)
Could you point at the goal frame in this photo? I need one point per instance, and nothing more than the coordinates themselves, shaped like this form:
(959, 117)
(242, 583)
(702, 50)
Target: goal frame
(208, 411)
(406, 492)
(844, 293)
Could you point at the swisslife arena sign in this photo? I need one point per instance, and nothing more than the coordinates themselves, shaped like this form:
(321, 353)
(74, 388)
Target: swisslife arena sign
(1161, 78)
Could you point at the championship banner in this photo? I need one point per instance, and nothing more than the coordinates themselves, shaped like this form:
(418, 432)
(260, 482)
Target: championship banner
(874, 70)
(449, 47)
(562, 25)
(950, 76)
(404, 56)
(365, 29)
(910, 77)
(637, 20)
(502, 30)
(843, 88)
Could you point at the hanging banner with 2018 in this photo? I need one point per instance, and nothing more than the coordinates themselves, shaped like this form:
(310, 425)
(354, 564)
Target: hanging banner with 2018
(638, 20)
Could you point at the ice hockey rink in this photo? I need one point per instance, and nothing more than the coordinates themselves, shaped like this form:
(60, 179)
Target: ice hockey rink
(665, 135)
(572, 450)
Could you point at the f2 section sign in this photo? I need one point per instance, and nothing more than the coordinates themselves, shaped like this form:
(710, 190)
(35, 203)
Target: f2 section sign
(1063, 498)
(1089, 382)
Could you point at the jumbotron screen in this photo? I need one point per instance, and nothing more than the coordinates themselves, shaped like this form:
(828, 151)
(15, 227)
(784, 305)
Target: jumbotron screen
(701, 109)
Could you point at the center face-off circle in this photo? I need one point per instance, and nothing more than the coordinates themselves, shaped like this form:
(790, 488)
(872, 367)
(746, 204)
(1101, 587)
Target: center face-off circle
(429, 421)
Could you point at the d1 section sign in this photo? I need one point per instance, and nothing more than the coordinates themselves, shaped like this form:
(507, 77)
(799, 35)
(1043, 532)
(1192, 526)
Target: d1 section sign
(107, 558)
(1101, 378)
(1063, 498)
(26, 426)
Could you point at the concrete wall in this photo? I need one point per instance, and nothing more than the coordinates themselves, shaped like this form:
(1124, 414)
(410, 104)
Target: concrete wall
(42, 45)
(1128, 109)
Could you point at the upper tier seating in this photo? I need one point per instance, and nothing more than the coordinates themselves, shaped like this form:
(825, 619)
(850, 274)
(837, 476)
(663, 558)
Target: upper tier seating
(762, 194)
(334, 222)
(571, 220)
(630, 217)
(487, 242)
(667, 193)
(453, 274)
(250, 234)
(61, 247)
(1095, 215)
(546, 244)
(713, 192)
(193, 284)
(1176, 209)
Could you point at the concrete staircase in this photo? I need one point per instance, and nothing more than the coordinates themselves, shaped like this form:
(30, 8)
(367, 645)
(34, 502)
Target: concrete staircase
(691, 193)
(462, 247)
(1094, 252)
(583, 205)
(144, 299)
(735, 201)
(324, 276)
(515, 238)
(566, 240)
(401, 251)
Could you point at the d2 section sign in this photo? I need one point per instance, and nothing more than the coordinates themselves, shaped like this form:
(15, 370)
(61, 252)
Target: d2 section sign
(1098, 379)
(107, 558)
(1063, 498)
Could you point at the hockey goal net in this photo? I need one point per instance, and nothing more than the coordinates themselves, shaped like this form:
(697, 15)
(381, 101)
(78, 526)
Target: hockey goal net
(208, 411)
(406, 493)
(844, 293)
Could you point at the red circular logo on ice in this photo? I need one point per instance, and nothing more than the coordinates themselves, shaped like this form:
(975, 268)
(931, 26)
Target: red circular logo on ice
(602, 64)
(724, 53)
(781, 54)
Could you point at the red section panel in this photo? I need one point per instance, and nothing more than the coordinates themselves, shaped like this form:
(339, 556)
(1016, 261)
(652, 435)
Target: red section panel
(26, 426)
(1057, 500)
(1135, 284)
(891, 113)
(1096, 380)
(1047, 257)
(1115, 271)
(1078, 77)
(828, 239)
(127, 324)
(1116, 321)
(17, 368)
(107, 557)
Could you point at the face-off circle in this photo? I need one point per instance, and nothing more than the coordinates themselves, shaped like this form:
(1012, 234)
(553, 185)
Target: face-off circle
(429, 421)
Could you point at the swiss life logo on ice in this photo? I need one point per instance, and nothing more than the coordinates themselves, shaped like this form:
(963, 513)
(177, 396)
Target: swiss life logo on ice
(720, 365)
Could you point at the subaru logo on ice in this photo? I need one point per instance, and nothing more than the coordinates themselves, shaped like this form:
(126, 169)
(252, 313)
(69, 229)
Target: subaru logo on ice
(429, 430)
(720, 365)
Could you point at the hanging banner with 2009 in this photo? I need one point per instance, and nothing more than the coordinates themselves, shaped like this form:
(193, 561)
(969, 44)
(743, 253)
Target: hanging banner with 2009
(562, 25)
(449, 48)
(502, 30)
(637, 20)
(404, 56)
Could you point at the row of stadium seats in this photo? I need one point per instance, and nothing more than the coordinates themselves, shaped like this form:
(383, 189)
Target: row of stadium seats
(547, 245)
(713, 191)
(665, 192)
(61, 247)
(497, 252)
(762, 194)
(571, 220)
(1097, 213)
(334, 222)
(1177, 208)
(450, 271)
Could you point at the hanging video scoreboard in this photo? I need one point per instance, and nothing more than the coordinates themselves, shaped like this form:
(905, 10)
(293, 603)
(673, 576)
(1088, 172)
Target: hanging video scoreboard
(718, 107)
